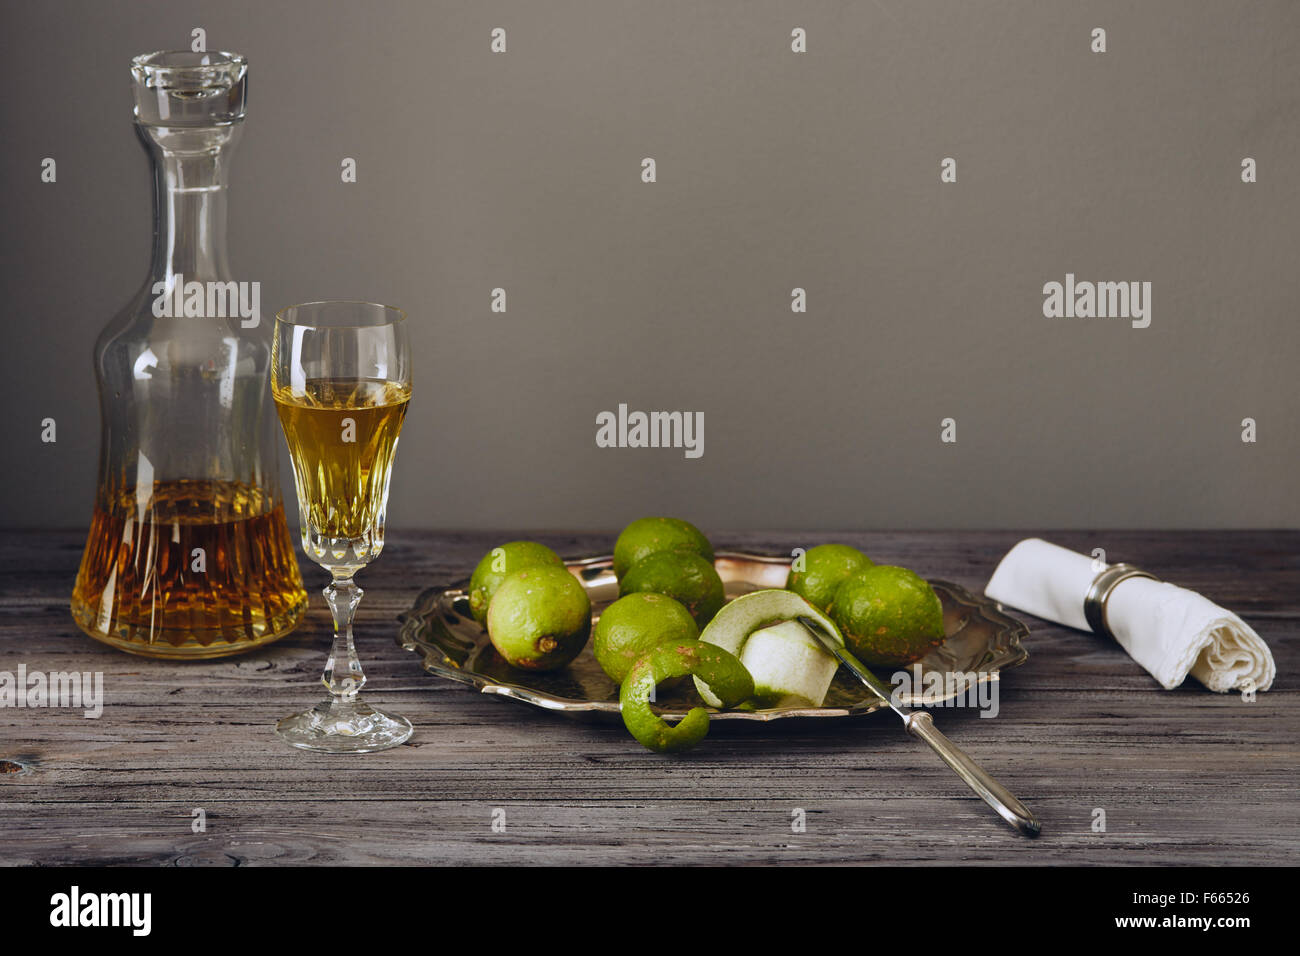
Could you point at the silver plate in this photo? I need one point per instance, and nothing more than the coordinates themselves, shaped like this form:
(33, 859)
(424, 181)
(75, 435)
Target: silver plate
(981, 639)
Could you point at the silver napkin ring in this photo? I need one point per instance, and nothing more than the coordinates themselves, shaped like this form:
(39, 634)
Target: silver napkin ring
(1094, 605)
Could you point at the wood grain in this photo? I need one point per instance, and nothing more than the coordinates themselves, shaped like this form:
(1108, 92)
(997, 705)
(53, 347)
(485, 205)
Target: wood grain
(1184, 776)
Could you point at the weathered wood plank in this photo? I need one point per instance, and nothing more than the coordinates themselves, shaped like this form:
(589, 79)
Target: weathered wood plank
(1184, 776)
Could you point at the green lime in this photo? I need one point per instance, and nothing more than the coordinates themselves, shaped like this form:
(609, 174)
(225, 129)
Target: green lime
(720, 670)
(645, 536)
(888, 615)
(681, 575)
(539, 618)
(633, 625)
(824, 568)
(497, 565)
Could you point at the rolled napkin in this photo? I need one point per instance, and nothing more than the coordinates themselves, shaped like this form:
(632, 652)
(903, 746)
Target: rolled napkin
(1168, 630)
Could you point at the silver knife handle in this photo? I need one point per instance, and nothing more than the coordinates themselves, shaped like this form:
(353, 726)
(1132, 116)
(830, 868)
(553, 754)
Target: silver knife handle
(920, 724)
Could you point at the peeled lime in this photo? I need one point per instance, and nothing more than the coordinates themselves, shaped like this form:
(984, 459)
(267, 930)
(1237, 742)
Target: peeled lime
(645, 536)
(790, 668)
(786, 663)
(681, 575)
(889, 616)
(824, 568)
(497, 565)
(540, 618)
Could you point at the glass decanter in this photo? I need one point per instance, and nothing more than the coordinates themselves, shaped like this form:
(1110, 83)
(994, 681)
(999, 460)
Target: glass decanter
(189, 554)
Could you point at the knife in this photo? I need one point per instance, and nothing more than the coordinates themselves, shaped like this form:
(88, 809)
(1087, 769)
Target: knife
(921, 724)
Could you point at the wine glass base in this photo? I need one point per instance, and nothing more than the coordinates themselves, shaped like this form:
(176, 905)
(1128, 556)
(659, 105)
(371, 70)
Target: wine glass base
(344, 727)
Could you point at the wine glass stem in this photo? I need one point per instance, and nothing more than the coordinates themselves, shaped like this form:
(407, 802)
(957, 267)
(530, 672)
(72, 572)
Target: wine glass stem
(343, 677)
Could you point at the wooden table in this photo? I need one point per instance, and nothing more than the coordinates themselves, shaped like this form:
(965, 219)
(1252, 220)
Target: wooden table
(1184, 776)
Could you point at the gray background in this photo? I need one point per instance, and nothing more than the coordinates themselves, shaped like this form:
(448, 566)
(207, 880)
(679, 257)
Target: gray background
(776, 170)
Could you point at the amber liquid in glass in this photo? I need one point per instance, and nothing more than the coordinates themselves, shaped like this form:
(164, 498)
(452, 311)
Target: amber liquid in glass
(188, 569)
(342, 436)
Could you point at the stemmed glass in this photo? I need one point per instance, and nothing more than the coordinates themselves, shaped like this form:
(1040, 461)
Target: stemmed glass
(341, 380)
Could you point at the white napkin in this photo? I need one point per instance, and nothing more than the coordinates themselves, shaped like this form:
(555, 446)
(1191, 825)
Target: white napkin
(1168, 630)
